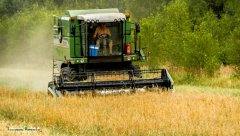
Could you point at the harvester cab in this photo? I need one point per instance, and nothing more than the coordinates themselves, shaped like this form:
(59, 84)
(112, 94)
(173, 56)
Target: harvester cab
(95, 50)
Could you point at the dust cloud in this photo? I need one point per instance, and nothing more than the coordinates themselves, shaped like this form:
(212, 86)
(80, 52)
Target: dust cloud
(28, 63)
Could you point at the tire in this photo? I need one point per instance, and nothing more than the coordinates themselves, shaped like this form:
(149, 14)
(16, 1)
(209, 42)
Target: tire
(69, 74)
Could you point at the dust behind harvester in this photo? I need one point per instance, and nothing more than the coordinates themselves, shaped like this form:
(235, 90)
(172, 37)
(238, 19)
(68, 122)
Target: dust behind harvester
(95, 50)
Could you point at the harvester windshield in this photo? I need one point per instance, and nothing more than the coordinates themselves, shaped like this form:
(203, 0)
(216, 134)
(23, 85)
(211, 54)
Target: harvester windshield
(104, 33)
(105, 38)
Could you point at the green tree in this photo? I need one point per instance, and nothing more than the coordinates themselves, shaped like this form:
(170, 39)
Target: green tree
(201, 49)
(163, 33)
(233, 50)
(197, 9)
(178, 23)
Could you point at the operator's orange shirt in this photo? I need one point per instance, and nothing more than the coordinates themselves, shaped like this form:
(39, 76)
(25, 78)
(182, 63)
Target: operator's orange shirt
(101, 31)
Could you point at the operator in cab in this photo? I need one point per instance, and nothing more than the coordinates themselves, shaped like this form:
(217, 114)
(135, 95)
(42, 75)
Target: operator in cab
(101, 35)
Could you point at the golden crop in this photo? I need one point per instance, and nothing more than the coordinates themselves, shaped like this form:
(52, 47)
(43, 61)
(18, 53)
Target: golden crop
(190, 112)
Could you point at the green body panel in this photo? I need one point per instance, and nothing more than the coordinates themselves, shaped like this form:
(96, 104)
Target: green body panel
(61, 49)
(60, 53)
(75, 48)
(76, 40)
(127, 35)
(78, 60)
(65, 26)
(83, 41)
(131, 57)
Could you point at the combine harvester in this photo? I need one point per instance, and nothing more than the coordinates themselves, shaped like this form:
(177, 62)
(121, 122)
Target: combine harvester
(94, 50)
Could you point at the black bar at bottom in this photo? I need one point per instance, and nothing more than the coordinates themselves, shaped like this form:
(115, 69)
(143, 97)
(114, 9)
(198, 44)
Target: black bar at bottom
(117, 84)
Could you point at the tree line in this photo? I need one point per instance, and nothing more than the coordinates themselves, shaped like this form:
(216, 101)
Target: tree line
(198, 35)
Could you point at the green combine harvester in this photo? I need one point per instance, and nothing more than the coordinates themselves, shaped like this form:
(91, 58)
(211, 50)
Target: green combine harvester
(94, 50)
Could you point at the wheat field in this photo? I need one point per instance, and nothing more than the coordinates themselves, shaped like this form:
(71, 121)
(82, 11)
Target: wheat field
(188, 111)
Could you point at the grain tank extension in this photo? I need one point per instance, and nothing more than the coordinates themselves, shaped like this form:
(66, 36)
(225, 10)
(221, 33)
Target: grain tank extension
(94, 50)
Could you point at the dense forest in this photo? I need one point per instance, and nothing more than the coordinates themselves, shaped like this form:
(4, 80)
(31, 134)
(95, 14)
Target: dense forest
(196, 35)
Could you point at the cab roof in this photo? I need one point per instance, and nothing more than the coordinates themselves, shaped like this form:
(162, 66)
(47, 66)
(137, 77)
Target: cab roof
(102, 17)
(97, 15)
(91, 11)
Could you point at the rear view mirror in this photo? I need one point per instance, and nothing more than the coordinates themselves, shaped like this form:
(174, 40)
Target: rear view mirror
(137, 25)
(73, 29)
